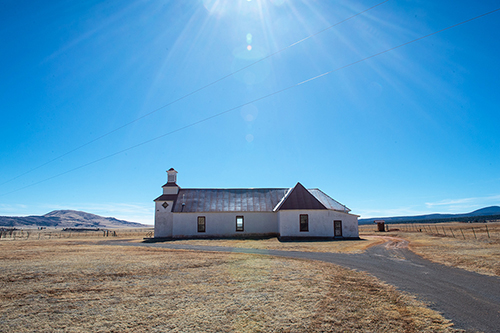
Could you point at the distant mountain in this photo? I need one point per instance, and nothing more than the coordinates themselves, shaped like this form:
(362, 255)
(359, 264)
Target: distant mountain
(492, 212)
(67, 219)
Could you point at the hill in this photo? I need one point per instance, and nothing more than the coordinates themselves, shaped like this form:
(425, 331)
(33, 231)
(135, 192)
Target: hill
(480, 215)
(67, 219)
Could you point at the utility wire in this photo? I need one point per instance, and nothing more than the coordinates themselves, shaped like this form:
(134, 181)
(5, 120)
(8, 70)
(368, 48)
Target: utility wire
(255, 100)
(191, 93)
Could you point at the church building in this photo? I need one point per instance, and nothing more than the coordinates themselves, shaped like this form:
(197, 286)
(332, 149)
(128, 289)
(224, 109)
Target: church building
(288, 213)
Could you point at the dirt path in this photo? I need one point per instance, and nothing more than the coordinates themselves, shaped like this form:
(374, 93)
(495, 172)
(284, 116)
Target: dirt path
(470, 300)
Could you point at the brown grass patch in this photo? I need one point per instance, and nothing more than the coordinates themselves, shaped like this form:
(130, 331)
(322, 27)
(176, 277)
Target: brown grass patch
(346, 246)
(60, 285)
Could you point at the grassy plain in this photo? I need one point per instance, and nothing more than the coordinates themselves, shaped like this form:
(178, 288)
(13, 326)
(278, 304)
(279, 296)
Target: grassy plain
(62, 285)
(471, 246)
(346, 246)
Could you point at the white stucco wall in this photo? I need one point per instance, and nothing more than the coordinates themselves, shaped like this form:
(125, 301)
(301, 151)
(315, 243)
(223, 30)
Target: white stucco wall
(320, 223)
(163, 219)
(224, 224)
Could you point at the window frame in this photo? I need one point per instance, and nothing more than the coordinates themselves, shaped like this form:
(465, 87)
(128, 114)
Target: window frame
(242, 223)
(304, 227)
(204, 223)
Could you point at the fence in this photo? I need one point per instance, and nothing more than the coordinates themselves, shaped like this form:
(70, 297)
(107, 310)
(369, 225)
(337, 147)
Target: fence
(35, 234)
(482, 231)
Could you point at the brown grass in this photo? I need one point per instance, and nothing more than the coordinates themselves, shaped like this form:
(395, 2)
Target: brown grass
(347, 246)
(462, 245)
(68, 286)
(351, 246)
(44, 234)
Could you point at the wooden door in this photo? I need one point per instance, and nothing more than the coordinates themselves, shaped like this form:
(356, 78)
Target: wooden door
(337, 228)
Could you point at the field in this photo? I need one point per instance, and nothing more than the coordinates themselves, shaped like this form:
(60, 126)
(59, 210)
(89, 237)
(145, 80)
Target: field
(77, 285)
(346, 246)
(471, 246)
(53, 233)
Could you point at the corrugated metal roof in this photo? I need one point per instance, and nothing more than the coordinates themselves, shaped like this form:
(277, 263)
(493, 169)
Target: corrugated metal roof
(228, 200)
(327, 201)
(241, 200)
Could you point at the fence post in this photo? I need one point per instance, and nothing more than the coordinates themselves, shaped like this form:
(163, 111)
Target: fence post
(435, 226)
(474, 233)
(462, 232)
(444, 232)
(452, 232)
(487, 231)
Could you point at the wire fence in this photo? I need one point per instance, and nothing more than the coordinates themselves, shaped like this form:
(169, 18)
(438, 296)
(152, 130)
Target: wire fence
(41, 234)
(478, 231)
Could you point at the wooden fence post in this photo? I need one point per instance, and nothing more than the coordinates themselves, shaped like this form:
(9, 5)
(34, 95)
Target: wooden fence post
(452, 232)
(444, 232)
(462, 232)
(487, 231)
(474, 233)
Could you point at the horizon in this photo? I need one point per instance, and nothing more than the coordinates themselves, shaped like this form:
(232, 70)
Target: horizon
(361, 218)
(100, 99)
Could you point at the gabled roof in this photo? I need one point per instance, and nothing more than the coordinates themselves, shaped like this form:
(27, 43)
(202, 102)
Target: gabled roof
(250, 200)
(299, 198)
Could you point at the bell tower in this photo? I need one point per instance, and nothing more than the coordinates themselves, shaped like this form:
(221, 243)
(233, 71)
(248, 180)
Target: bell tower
(164, 205)
(171, 186)
(172, 177)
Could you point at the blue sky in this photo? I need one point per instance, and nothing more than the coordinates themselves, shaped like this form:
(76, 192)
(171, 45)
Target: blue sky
(411, 131)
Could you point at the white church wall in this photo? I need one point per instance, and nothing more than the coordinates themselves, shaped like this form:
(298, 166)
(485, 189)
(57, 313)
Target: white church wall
(223, 224)
(163, 219)
(320, 223)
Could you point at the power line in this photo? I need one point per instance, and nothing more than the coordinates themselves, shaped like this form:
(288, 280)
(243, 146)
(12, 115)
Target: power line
(255, 100)
(191, 93)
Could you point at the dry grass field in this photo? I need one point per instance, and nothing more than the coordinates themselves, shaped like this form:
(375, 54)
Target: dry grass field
(345, 246)
(62, 285)
(474, 247)
(138, 234)
(43, 234)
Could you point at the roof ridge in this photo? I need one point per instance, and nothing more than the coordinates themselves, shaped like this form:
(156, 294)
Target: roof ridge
(236, 188)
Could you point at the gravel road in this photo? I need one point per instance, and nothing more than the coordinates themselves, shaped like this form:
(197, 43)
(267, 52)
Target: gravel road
(470, 300)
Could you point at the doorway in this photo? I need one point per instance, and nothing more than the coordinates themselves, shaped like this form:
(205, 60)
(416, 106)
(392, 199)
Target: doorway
(337, 228)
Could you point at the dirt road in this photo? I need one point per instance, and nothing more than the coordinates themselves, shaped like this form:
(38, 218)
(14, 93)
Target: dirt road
(470, 300)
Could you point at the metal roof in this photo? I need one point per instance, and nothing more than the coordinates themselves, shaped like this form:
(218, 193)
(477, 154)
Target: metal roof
(327, 201)
(245, 200)
(300, 198)
(228, 200)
